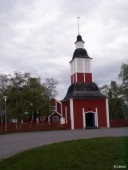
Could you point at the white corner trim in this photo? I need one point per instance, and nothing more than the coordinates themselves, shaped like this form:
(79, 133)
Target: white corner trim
(107, 113)
(76, 65)
(61, 109)
(84, 122)
(96, 118)
(72, 114)
(76, 69)
(84, 78)
(56, 106)
(48, 119)
(66, 114)
(76, 77)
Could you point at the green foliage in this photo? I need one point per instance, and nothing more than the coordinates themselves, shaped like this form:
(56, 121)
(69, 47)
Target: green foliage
(27, 96)
(123, 76)
(50, 85)
(118, 95)
(97, 154)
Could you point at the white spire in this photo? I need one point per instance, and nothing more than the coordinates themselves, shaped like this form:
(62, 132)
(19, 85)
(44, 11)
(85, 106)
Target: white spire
(78, 25)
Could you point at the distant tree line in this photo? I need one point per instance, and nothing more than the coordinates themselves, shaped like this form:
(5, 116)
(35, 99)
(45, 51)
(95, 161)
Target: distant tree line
(27, 96)
(118, 95)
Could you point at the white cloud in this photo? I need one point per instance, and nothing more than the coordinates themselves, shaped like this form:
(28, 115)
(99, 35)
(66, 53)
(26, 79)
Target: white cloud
(38, 37)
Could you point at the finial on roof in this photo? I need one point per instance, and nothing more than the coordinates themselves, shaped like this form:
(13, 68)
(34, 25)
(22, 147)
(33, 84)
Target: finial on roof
(78, 25)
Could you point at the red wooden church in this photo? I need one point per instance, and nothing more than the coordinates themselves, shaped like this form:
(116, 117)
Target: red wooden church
(84, 106)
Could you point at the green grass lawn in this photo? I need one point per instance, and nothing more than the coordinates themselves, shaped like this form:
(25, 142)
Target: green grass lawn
(85, 154)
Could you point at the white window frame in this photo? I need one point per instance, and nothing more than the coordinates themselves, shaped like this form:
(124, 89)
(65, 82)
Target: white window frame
(57, 121)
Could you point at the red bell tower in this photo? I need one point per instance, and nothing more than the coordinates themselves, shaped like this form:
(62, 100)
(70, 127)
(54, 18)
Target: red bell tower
(84, 106)
(80, 63)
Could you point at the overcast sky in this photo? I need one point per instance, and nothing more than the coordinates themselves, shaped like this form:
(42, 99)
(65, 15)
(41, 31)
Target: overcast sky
(38, 36)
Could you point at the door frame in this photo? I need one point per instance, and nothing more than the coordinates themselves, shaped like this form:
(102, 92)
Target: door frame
(95, 117)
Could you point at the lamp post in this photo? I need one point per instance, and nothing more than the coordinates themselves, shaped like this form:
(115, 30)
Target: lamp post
(127, 92)
(1, 115)
(127, 96)
(31, 104)
(1, 119)
(6, 127)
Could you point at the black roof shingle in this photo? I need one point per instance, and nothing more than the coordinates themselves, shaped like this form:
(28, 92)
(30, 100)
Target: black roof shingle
(84, 91)
(79, 38)
(80, 53)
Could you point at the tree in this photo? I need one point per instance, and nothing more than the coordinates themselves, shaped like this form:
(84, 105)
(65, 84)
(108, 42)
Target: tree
(118, 95)
(27, 96)
(113, 92)
(123, 76)
(35, 100)
(105, 90)
(115, 100)
(14, 92)
(50, 85)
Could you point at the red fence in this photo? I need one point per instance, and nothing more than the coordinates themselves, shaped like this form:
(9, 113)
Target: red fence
(28, 127)
(119, 123)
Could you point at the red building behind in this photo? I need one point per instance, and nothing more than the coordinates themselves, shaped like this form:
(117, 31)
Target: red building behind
(84, 106)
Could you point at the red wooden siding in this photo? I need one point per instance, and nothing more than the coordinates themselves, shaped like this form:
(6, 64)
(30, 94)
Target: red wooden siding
(89, 105)
(55, 114)
(88, 77)
(67, 104)
(81, 77)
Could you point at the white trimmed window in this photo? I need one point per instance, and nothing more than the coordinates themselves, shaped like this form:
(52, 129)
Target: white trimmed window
(55, 119)
(53, 108)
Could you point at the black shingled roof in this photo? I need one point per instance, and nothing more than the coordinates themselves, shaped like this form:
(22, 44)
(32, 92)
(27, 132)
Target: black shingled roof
(80, 53)
(84, 91)
(79, 38)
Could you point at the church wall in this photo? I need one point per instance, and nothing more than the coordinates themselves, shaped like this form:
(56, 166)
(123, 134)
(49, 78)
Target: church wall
(56, 105)
(81, 77)
(53, 102)
(88, 77)
(66, 113)
(89, 105)
(73, 110)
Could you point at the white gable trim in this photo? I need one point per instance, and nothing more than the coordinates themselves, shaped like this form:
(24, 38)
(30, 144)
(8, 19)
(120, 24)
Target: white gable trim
(53, 113)
(56, 100)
